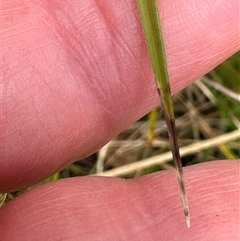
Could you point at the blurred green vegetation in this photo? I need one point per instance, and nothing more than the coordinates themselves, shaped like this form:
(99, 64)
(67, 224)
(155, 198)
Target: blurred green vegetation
(220, 114)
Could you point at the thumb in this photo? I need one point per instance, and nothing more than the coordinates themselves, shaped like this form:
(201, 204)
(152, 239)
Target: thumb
(146, 208)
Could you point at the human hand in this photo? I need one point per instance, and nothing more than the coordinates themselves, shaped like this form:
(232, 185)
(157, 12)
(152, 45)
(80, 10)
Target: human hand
(67, 66)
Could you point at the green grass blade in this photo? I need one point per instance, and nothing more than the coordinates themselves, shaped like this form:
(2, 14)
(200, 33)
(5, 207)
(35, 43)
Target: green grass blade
(149, 16)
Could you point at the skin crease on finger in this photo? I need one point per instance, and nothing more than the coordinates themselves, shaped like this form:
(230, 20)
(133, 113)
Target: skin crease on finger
(146, 208)
(77, 73)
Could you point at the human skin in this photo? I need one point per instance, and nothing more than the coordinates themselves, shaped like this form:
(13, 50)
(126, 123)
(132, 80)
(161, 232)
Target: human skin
(74, 75)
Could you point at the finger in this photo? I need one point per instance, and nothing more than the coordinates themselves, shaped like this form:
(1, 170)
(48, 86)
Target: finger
(147, 208)
(77, 74)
